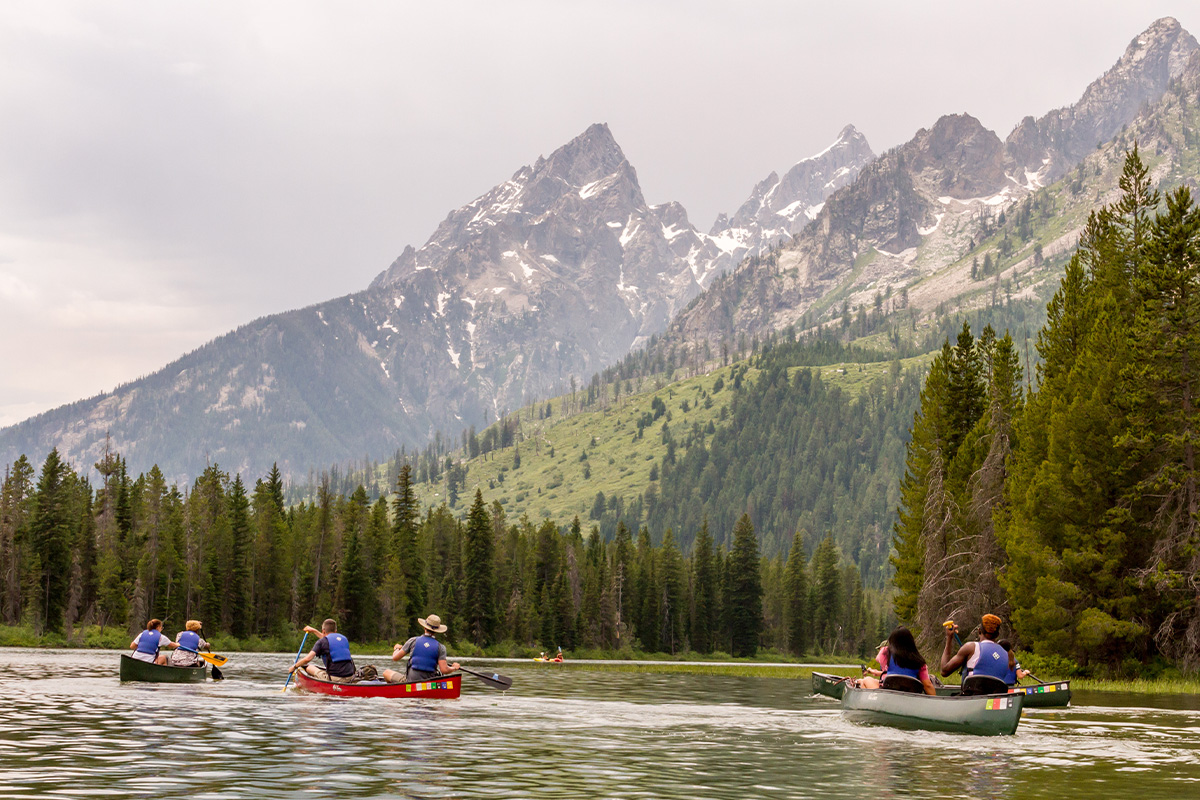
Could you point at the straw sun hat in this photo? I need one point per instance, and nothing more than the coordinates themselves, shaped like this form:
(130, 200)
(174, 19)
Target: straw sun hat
(432, 623)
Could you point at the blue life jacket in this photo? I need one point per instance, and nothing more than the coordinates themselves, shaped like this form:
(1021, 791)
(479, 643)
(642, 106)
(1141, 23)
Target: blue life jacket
(339, 647)
(189, 639)
(992, 659)
(148, 642)
(1011, 677)
(425, 654)
(895, 669)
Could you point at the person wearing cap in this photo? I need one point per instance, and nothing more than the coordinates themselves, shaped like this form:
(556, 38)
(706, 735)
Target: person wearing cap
(147, 644)
(189, 638)
(334, 649)
(985, 657)
(427, 656)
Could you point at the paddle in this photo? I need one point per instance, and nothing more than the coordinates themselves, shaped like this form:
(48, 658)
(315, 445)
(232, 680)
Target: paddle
(212, 658)
(297, 658)
(495, 680)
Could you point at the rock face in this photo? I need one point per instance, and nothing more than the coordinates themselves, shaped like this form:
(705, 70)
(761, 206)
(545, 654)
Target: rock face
(779, 208)
(921, 208)
(1053, 144)
(553, 274)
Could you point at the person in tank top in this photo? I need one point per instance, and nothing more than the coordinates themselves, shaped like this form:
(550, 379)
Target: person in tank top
(899, 656)
(334, 650)
(147, 644)
(985, 657)
(189, 637)
(426, 655)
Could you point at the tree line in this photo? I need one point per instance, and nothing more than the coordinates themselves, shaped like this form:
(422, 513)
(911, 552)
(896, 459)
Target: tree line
(248, 565)
(1073, 508)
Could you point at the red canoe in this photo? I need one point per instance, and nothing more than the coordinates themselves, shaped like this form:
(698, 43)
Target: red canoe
(447, 687)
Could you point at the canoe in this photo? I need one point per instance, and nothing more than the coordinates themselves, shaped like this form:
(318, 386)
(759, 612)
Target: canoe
(983, 715)
(1037, 695)
(828, 685)
(134, 670)
(446, 687)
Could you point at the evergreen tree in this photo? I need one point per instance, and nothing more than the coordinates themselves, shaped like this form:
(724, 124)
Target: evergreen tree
(796, 613)
(407, 579)
(744, 599)
(51, 535)
(827, 596)
(478, 611)
(238, 586)
(705, 618)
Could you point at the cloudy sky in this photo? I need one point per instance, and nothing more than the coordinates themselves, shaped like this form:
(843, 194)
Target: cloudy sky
(170, 170)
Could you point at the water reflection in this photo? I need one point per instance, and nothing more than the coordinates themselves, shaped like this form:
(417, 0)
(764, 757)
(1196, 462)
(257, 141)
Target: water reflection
(69, 728)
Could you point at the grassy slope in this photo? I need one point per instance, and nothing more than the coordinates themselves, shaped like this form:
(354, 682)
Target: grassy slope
(550, 481)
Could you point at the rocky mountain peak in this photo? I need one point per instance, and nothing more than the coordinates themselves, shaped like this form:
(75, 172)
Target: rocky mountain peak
(1052, 144)
(588, 157)
(958, 157)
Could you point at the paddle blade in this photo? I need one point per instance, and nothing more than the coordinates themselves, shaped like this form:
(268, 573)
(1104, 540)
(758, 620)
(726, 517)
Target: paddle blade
(216, 674)
(495, 680)
(214, 659)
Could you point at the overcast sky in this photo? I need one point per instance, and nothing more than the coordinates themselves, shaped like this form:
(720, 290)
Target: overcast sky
(170, 170)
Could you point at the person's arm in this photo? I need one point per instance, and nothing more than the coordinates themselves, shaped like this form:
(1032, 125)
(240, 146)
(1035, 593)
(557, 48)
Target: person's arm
(928, 684)
(444, 668)
(133, 645)
(951, 662)
(164, 641)
(399, 651)
(309, 656)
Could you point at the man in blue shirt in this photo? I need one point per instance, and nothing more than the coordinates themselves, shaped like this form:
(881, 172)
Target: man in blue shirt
(334, 649)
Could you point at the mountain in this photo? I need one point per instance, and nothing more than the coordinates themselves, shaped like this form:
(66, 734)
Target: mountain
(910, 230)
(779, 207)
(547, 278)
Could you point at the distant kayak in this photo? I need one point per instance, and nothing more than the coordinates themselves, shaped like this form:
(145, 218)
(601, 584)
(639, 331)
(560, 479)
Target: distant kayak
(549, 660)
(446, 687)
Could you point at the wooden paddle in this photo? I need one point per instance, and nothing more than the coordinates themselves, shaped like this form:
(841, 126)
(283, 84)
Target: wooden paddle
(212, 658)
(495, 680)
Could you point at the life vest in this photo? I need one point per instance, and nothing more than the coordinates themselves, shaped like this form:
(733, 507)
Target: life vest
(339, 647)
(895, 669)
(425, 654)
(148, 642)
(189, 639)
(1011, 677)
(989, 659)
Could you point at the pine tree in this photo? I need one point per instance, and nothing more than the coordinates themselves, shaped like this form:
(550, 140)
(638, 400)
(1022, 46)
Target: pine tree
(16, 508)
(240, 580)
(478, 569)
(827, 596)
(796, 613)
(705, 618)
(51, 534)
(744, 601)
(407, 575)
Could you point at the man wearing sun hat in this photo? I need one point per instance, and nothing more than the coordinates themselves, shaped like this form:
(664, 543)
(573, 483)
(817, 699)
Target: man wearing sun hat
(984, 657)
(427, 656)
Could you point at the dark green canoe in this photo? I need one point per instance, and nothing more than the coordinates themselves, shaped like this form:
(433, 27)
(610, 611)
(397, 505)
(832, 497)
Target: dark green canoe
(134, 670)
(1037, 695)
(828, 685)
(982, 715)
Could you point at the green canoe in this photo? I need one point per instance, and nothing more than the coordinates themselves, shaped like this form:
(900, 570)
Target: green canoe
(1037, 695)
(828, 685)
(983, 715)
(134, 670)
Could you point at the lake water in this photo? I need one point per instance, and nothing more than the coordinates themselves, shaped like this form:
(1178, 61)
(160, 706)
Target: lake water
(68, 728)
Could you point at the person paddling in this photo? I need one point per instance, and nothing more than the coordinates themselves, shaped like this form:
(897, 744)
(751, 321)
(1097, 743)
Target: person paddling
(899, 656)
(985, 657)
(334, 649)
(147, 644)
(188, 638)
(427, 656)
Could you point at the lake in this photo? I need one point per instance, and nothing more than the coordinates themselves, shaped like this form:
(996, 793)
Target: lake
(68, 728)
